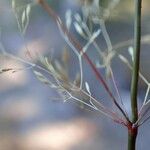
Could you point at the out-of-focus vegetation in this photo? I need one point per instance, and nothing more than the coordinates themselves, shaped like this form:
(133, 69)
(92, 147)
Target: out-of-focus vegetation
(30, 112)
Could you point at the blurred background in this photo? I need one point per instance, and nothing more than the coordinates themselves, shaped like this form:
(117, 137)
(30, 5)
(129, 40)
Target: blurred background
(32, 116)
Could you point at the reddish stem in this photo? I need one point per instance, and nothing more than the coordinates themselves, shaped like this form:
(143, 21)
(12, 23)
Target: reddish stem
(79, 48)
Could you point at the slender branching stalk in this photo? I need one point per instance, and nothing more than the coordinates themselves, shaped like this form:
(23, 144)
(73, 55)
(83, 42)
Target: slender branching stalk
(133, 130)
(79, 48)
(75, 91)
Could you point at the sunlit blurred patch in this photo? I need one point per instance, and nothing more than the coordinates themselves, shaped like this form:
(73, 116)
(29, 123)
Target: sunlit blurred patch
(33, 49)
(19, 109)
(63, 135)
(11, 79)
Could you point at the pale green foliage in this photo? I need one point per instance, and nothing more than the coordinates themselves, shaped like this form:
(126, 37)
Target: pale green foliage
(22, 11)
(131, 50)
(98, 9)
(68, 17)
(41, 77)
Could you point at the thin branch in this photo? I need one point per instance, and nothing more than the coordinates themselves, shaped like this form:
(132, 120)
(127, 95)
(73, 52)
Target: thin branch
(124, 60)
(106, 36)
(145, 39)
(117, 90)
(141, 116)
(79, 48)
(139, 124)
(145, 101)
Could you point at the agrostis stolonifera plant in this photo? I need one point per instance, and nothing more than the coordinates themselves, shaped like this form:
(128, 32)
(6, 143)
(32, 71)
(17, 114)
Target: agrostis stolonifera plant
(55, 73)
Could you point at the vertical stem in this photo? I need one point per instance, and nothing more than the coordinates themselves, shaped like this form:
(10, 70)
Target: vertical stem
(136, 62)
(132, 139)
(133, 131)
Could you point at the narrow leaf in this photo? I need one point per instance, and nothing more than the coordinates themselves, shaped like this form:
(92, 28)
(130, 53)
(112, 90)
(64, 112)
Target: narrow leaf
(41, 77)
(130, 50)
(68, 18)
(23, 19)
(13, 4)
(77, 17)
(28, 9)
(78, 28)
(87, 87)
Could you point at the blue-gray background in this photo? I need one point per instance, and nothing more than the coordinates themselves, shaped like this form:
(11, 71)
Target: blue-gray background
(30, 116)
